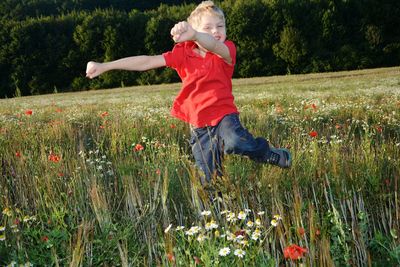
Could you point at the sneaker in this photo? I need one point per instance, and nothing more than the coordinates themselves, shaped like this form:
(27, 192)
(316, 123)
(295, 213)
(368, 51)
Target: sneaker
(280, 157)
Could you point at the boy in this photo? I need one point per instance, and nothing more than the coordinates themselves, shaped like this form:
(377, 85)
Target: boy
(205, 61)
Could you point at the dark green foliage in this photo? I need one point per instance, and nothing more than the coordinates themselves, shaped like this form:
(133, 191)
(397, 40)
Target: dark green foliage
(44, 45)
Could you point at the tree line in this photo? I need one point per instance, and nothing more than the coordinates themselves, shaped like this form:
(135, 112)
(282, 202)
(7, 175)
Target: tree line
(44, 49)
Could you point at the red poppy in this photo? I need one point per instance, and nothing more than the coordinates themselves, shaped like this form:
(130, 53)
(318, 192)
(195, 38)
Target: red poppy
(158, 171)
(314, 107)
(318, 232)
(54, 158)
(18, 154)
(45, 238)
(104, 114)
(379, 129)
(240, 232)
(294, 252)
(58, 110)
(313, 134)
(139, 147)
(301, 231)
(170, 257)
(28, 112)
(172, 126)
(196, 260)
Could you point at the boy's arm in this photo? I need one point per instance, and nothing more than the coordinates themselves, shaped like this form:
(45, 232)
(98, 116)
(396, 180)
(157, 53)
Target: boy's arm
(183, 31)
(211, 44)
(135, 63)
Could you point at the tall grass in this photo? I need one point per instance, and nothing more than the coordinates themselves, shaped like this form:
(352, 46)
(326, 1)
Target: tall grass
(96, 178)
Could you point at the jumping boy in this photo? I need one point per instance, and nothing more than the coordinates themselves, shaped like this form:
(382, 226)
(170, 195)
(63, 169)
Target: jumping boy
(205, 61)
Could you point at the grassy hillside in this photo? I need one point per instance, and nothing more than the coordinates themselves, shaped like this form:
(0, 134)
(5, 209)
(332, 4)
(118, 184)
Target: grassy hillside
(107, 178)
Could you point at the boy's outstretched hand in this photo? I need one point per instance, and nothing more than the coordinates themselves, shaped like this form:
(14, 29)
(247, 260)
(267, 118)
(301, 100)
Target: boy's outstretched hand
(182, 31)
(93, 69)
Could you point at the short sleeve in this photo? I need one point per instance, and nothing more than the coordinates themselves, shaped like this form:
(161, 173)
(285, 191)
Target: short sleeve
(232, 50)
(174, 58)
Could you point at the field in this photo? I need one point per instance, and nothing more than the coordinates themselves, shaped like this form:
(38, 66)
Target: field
(106, 178)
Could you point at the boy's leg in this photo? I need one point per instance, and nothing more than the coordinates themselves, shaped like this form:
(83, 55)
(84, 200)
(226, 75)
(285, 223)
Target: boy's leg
(237, 140)
(206, 151)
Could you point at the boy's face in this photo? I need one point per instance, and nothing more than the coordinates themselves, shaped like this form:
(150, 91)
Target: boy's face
(212, 25)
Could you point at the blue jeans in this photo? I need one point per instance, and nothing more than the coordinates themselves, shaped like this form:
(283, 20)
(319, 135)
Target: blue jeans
(209, 144)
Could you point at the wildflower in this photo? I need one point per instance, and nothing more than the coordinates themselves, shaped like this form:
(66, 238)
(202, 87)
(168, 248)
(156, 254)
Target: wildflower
(2, 228)
(18, 154)
(170, 257)
(224, 251)
(224, 212)
(28, 112)
(172, 126)
(241, 215)
(180, 228)
(211, 225)
(256, 235)
(196, 260)
(250, 224)
(230, 236)
(239, 238)
(2, 237)
(54, 158)
(274, 222)
(201, 238)
(217, 233)
(239, 253)
(193, 230)
(158, 172)
(313, 134)
(206, 213)
(277, 217)
(139, 147)
(7, 212)
(104, 114)
(258, 222)
(261, 213)
(45, 238)
(294, 252)
(168, 228)
(301, 231)
(243, 242)
(231, 217)
(314, 106)
(240, 232)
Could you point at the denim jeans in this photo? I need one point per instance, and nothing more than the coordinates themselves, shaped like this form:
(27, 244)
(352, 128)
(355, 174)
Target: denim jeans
(209, 144)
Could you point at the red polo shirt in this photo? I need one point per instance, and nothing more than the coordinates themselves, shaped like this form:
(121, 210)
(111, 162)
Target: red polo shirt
(206, 94)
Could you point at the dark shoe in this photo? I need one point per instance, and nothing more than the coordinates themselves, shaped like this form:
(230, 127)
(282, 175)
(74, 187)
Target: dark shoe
(279, 156)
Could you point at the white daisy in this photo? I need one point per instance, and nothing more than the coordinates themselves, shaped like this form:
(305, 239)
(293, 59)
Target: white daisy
(224, 251)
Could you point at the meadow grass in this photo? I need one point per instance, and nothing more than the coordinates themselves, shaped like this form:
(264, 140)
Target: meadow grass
(106, 178)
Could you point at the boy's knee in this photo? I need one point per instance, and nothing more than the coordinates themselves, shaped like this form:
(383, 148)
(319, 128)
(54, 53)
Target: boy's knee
(234, 143)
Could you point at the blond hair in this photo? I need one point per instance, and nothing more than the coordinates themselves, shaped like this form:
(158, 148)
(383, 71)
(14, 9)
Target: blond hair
(205, 7)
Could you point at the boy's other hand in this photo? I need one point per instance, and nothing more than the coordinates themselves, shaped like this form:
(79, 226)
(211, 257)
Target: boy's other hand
(182, 32)
(93, 69)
